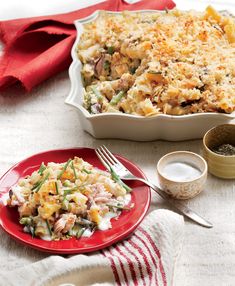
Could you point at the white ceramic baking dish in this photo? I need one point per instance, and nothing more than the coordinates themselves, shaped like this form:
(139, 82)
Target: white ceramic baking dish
(132, 127)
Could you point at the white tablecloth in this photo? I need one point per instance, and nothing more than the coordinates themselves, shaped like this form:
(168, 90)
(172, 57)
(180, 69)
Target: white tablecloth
(30, 123)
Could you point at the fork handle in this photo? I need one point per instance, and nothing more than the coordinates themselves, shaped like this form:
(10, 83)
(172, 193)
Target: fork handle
(186, 211)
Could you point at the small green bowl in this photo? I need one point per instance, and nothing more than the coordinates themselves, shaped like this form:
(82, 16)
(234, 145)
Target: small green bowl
(222, 166)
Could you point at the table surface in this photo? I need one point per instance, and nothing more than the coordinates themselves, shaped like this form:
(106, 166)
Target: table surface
(40, 120)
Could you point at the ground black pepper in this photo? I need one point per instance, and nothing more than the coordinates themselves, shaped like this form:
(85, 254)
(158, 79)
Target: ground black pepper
(225, 149)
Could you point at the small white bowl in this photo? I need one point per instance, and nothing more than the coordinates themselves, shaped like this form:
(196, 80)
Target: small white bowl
(182, 174)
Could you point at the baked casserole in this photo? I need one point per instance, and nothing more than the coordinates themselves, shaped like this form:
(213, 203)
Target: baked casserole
(151, 63)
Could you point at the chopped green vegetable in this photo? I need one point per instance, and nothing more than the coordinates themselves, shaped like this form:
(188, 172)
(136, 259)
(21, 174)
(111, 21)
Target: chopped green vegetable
(110, 50)
(66, 192)
(56, 188)
(118, 207)
(155, 99)
(80, 232)
(133, 69)
(42, 182)
(31, 230)
(74, 171)
(86, 171)
(107, 65)
(41, 169)
(65, 204)
(69, 191)
(66, 183)
(64, 168)
(154, 72)
(77, 230)
(82, 187)
(87, 101)
(26, 220)
(117, 179)
(86, 222)
(36, 185)
(48, 227)
(97, 93)
(117, 98)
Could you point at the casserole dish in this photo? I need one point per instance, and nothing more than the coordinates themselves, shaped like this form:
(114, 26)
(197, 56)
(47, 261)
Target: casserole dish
(130, 126)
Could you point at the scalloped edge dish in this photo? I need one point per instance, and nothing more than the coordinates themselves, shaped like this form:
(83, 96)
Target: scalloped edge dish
(133, 127)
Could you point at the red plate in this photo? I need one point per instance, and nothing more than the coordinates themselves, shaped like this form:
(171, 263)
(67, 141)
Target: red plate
(121, 228)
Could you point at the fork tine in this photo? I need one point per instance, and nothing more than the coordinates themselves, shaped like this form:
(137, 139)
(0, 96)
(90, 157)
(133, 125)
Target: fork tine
(111, 156)
(108, 155)
(105, 156)
(102, 159)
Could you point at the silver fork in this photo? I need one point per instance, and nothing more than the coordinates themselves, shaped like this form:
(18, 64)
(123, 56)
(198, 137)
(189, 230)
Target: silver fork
(111, 162)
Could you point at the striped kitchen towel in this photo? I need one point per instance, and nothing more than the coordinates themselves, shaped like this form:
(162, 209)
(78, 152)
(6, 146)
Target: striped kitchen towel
(147, 257)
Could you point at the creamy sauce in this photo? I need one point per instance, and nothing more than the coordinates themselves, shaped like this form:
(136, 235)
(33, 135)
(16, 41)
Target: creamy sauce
(181, 171)
(127, 199)
(87, 233)
(4, 198)
(46, 237)
(105, 222)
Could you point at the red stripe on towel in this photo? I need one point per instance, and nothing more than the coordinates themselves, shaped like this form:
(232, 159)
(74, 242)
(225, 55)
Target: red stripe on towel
(129, 263)
(137, 259)
(145, 258)
(150, 254)
(114, 268)
(162, 271)
(121, 265)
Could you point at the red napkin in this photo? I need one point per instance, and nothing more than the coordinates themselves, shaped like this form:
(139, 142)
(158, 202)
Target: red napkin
(39, 47)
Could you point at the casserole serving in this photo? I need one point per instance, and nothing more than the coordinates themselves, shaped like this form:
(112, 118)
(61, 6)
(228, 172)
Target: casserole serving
(132, 77)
